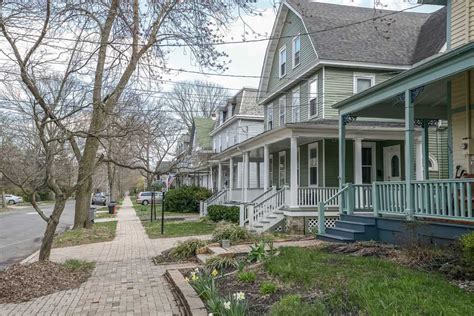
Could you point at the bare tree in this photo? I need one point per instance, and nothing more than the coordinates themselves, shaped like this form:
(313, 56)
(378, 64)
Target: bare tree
(196, 99)
(116, 37)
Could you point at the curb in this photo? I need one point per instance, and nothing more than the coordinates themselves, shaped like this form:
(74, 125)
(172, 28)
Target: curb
(192, 303)
(27, 259)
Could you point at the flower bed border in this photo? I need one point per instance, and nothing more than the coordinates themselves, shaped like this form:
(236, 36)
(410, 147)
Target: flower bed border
(192, 303)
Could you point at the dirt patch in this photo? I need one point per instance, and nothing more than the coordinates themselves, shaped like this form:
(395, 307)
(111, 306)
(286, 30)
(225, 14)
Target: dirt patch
(365, 249)
(21, 283)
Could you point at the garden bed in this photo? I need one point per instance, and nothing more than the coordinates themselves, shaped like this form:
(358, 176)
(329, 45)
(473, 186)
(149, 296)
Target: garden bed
(23, 282)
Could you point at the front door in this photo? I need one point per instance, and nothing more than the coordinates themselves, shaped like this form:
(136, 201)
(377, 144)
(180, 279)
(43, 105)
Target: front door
(392, 163)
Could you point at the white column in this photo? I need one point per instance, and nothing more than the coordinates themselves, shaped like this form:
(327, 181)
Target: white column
(419, 159)
(266, 168)
(231, 178)
(294, 172)
(342, 159)
(211, 178)
(358, 161)
(219, 176)
(409, 153)
(245, 178)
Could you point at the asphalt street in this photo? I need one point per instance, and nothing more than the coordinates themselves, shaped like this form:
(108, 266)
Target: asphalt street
(21, 231)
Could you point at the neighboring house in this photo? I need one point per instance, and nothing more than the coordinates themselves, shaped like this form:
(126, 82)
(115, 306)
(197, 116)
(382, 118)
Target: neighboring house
(312, 64)
(193, 153)
(438, 88)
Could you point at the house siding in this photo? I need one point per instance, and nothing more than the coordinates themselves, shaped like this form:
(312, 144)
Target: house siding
(438, 148)
(462, 22)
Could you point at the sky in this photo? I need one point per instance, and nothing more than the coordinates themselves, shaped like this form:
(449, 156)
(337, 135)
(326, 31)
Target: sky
(247, 58)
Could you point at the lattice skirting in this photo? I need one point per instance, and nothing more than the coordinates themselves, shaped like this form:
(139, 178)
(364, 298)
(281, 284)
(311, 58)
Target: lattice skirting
(305, 224)
(312, 223)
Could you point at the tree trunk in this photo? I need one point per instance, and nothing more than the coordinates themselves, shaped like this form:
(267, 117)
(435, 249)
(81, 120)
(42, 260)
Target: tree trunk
(47, 243)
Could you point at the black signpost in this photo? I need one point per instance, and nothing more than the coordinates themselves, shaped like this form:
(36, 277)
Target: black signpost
(163, 212)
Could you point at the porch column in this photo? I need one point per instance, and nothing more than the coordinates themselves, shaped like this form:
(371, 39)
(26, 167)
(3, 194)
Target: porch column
(245, 178)
(293, 172)
(266, 168)
(342, 158)
(211, 178)
(358, 161)
(219, 176)
(426, 151)
(450, 132)
(419, 154)
(409, 153)
(231, 178)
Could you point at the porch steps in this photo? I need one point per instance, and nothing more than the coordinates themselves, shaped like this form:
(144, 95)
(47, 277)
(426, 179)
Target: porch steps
(351, 228)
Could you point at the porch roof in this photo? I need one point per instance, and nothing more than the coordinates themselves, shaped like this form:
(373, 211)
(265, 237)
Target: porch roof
(383, 100)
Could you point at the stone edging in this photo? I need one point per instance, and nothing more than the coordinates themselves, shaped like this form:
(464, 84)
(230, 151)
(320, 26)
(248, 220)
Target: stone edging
(190, 300)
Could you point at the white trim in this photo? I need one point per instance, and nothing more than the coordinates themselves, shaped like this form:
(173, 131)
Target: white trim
(280, 106)
(363, 76)
(269, 109)
(235, 118)
(294, 107)
(324, 91)
(281, 154)
(270, 170)
(434, 163)
(283, 48)
(293, 51)
(298, 166)
(311, 146)
(313, 79)
(373, 146)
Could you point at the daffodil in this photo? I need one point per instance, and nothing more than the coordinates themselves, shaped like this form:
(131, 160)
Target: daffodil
(214, 273)
(227, 305)
(240, 296)
(194, 277)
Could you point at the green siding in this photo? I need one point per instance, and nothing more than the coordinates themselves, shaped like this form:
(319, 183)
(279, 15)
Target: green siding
(332, 162)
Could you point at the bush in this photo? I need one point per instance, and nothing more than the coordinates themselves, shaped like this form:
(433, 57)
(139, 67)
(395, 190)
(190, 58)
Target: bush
(187, 248)
(219, 213)
(221, 263)
(186, 198)
(234, 233)
(268, 287)
(246, 276)
(467, 244)
(292, 305)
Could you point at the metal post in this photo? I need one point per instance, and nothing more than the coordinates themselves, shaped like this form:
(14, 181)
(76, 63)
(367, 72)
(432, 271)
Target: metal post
(151, 208)
(409, 153)
(425, 141)
(163, 214)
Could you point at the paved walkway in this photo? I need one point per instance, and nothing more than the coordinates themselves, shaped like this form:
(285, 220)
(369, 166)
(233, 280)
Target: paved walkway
(125, 281)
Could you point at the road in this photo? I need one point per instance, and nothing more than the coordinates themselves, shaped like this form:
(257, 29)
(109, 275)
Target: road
(22, 229)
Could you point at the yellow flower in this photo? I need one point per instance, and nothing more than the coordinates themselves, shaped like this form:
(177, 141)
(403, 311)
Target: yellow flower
(187, 279)
(194, 277)
(214, 273)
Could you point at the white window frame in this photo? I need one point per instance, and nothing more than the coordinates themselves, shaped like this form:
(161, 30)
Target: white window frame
(311, 146)
(373, 146)
(270, 169)
(314, 80)
(293, 51)
(280, 182)
(364, 76)
(269, 114)
(434, 163)
(296, 108)
(283, 48)
(282, 114)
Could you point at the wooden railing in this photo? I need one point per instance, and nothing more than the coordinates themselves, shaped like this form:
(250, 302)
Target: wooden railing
(244, 207)
(219, 197)
(323, 204)
(389, 197)
(275, 201)
(312, 196)
(362, 197)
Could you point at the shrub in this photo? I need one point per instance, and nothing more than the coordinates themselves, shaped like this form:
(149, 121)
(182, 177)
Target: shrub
(292, 305)
(187, 248)
(467, 244)
(186, 198)
(268, 287)
(219, 213)
(246, 276)
(257, 252)
(234, 233)
(221, 263)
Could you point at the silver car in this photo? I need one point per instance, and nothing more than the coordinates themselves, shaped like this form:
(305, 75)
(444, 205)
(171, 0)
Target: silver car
(12, 199)
(144, 198)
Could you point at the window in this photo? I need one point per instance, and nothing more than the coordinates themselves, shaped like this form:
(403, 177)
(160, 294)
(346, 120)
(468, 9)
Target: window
(295, 105)
(432, 163)
(313, 164)
(270, 170)
(269, 117)
(281, 168)
(282, 61)
(313, 98)
(296, 50)
(368, 162)
(282, 109)
(395, 165)
(363, 82)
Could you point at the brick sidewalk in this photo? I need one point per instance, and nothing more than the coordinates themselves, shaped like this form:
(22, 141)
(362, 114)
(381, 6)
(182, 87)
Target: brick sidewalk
(125, 282)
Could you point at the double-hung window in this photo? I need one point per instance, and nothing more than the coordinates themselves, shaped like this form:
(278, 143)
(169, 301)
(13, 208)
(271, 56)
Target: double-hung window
(363, 82)
(270, 169)
(282, 62)
(313, 98)
(269, 117)
(296, 50)
(282, 109)
(281, 168)
(295, 105)
(313, 164)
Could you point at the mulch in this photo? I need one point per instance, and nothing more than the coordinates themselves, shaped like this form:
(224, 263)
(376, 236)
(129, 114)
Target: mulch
(23, 282)
(165, 258)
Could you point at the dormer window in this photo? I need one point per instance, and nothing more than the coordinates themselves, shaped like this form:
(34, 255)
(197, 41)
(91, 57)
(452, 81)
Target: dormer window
(282, 61)
(363, 82)
(296, 50)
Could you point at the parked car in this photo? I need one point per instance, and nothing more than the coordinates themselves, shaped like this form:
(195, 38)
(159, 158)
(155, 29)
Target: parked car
(99, 198)
(13, 199)
(144, 198)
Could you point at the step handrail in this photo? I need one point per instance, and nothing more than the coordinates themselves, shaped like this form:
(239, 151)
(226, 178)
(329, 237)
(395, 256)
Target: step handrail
(215, 196)
(256, 211)
(254, 201)
(322, 209)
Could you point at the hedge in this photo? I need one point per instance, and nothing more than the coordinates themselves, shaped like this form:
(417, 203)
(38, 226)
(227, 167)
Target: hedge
(219, 213)
(186, 198)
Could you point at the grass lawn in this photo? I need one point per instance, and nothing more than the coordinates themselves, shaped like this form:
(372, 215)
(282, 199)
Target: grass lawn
(175, 229)
(364, 285)
(143, 212)
(104, 215)
(99, 232)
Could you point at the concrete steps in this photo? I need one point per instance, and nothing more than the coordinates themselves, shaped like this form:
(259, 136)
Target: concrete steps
(351, 228)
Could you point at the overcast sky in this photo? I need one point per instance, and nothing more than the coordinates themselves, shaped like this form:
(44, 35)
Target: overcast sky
(247, 58)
